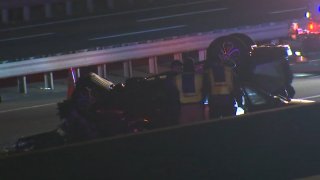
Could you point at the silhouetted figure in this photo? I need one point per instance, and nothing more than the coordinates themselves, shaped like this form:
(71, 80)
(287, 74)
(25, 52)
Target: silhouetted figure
(220, 89)
(190, 86)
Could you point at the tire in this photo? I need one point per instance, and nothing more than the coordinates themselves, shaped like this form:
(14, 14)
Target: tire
(245, 39)
(234, 50)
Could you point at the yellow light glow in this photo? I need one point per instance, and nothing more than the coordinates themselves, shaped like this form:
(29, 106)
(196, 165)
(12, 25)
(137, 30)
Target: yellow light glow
(308, 15)
(297, 53)
(311, 26)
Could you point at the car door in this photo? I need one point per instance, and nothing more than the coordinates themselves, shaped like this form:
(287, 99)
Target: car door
(256, 99)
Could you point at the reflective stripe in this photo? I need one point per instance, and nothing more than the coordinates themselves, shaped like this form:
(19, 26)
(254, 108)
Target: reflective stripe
(224, 87)
(190, 97)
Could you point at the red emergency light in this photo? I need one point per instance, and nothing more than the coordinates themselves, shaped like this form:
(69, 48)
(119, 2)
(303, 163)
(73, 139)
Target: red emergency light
(313, 27)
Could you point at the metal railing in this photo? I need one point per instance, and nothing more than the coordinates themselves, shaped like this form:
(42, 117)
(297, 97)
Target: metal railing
(131, 51)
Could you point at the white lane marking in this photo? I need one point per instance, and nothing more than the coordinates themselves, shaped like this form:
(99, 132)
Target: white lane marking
(26, 37)
(288, 10)
(138, 32)
(306, 75)
(26, 108)
(311, 97)
(105, 15)
(314, 76)
(181, 14)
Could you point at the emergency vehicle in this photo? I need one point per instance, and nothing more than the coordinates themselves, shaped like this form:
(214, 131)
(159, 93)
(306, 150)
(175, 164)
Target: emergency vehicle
(304, 34)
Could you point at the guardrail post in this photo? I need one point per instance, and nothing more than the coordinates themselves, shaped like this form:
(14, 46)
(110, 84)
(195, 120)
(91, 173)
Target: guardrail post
(202, 55)
(90, 6)
(102, 70)
(110, 4)
(127, 69)
(22, 84)
(153, 66)
(78, 72)
(48, 10)
(69, 8)
(26, 13)
(177, 56)
(5, 16)
(48, 81)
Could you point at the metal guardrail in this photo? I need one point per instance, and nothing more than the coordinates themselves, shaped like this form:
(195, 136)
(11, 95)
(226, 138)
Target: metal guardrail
(103, 55)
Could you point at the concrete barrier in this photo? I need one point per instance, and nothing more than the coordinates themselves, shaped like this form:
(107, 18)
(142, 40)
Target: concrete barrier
(277, 144)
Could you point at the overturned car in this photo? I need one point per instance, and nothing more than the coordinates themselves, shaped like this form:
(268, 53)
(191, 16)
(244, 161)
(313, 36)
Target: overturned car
(99, 108)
